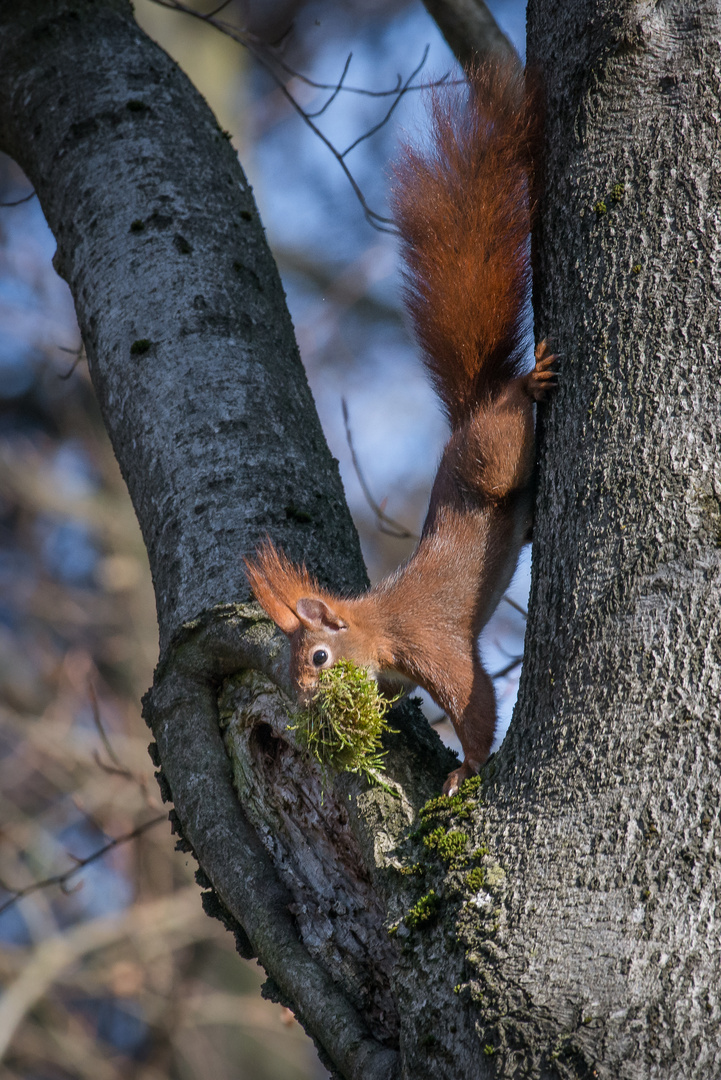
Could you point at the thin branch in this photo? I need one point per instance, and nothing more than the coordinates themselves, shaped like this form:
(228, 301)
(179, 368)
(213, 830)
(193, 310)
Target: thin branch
(78, 354)
(19, 202)
(221, 7)
(517, 607)
(514, 663)
(248, 40)
(336, 91)
(272, 63)
(386, 524)
(378, 221)
(62, 879)
(117, 768)
(102, 732)
(403, 90)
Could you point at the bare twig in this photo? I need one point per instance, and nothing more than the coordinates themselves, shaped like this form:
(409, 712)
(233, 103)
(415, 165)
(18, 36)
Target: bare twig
(62, 879)
(216, 11)
(386, 524)
(77, 354)
(102, 732)
(402, 91)
(19, 202)
(515, 606)
(336, 91)
(117, 768)
(514, 663)
(274, 64)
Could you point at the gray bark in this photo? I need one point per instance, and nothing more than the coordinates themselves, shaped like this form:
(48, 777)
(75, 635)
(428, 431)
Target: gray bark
(605, 798)
(586, 940)
(213, 425)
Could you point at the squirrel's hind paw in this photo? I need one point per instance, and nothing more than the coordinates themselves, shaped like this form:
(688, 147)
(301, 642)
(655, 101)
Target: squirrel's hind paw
(542, 380)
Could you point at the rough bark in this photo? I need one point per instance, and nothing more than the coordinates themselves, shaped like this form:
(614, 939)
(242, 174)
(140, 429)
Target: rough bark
(198, 377)
(605, 799)
(189, 342)
(565, 914)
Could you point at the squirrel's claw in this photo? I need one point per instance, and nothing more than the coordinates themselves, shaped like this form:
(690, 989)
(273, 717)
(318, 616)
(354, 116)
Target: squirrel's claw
(456, 778)
(542, 379)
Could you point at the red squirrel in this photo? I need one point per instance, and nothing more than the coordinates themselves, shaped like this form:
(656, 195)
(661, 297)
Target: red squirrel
(463, 208)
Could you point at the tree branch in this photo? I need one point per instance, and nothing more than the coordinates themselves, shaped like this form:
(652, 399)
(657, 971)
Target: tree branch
(191, 353)
(470, 29)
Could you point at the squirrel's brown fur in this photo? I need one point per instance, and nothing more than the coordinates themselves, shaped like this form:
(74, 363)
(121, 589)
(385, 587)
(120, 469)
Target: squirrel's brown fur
(463, 209)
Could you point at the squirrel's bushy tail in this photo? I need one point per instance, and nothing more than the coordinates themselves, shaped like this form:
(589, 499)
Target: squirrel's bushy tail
(464, 212)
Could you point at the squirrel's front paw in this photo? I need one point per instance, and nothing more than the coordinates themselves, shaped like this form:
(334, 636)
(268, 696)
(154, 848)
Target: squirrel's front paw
(456, 778)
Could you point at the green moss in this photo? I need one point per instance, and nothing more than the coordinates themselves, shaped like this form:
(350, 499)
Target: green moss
(456, 805)
(343, 725)
(600, 208)
(636, 268)
(470, 788)
(449, 846)
(417, 870)
(489, 1050)
(142, 345)
(424, 912)
(441, 804)
(137, 226)
(476, 879)
(617, 192)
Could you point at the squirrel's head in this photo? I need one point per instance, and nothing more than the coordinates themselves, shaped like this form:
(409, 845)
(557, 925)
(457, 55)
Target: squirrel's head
(313, 621)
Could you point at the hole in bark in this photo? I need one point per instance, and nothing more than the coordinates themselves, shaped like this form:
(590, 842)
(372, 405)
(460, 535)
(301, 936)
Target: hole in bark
(265, 741)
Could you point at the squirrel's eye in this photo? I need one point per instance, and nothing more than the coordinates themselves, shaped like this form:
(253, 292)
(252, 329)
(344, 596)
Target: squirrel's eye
(319, 657)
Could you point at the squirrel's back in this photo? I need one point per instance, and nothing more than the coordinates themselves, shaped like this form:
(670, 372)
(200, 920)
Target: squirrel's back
(463, 208)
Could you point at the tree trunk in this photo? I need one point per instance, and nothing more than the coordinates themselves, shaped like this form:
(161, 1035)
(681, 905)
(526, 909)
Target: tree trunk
(560, 920)
(606, 795)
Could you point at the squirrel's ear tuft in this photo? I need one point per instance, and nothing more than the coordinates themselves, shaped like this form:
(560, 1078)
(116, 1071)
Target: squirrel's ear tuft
(278, 584)
(315, 614)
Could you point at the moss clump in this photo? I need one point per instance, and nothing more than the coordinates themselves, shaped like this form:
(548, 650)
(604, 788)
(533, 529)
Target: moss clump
(600, 208)
(617, 192)
(470, 788)
(142, 345)
(440, 805)
(424, 912)
(343, 724)
(475, 879)
(449, 846)
(416, 870)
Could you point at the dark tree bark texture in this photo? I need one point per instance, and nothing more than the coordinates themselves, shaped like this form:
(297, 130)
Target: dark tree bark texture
(562, 920)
